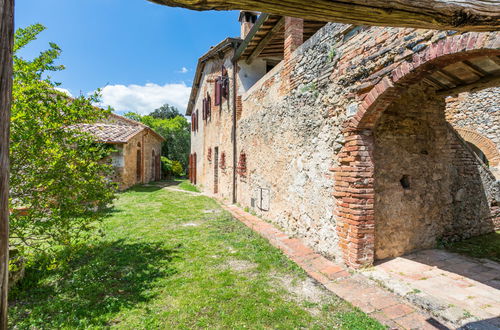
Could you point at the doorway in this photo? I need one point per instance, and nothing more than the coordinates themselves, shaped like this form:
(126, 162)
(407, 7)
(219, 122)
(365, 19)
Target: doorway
(216, 170)
(153, 166)
(139, 164)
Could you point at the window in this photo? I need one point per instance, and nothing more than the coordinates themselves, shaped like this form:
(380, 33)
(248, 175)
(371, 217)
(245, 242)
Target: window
(242, 165)
(222, 163)
(225, 84)
(209, 154)
(221, 88)
(217, 91)
(207, 107)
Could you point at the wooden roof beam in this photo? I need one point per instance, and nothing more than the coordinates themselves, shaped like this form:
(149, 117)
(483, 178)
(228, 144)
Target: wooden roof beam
(476, 15)
(483, 83)
(265, 41)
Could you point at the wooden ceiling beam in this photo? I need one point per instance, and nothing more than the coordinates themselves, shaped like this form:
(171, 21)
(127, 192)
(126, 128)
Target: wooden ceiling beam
(476, 15)
(474, 68)
(483, 83)
(266, 40)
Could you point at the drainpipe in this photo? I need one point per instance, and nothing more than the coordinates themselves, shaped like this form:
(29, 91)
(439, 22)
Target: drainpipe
(235, 90)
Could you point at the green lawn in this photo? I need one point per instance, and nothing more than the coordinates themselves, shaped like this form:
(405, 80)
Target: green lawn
(172, 260)
(485, 246)
(185, 185)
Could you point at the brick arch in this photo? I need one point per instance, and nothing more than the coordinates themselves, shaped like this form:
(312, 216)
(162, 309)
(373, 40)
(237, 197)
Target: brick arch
(437, 55)
(487, 146)
(354, 178)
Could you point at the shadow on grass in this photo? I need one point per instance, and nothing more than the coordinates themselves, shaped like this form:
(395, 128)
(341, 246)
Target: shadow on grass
(98, 281)
(145, 188)
(484, 246)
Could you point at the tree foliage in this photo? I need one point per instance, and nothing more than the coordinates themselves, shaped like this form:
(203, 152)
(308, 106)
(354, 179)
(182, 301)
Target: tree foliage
(166, 111)
(175, 131)
(58, 177)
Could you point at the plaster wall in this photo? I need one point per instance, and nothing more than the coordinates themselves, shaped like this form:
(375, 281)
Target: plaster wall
(214, 132)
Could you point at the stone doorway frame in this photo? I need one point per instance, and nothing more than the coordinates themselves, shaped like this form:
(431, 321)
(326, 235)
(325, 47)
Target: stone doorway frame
(354, 178)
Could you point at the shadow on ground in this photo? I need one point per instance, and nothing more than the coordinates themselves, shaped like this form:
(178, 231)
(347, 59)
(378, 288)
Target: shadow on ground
(489, 324)
(484, 271)
(154, 186)
(97, 280)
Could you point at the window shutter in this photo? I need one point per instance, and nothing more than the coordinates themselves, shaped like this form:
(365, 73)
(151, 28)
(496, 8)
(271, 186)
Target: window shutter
(225, 89)
(209, 106)
(217, 92)
(225, 84)
(204, 109)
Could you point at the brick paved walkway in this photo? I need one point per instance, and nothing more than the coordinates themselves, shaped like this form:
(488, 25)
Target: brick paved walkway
(387, 307)
(458, 289)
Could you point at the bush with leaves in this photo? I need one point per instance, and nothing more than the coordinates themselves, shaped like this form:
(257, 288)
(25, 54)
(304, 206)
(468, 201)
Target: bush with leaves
(171, 168)
(59, 186)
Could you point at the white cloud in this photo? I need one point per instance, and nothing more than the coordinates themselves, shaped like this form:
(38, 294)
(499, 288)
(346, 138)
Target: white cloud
(145, 99)
(183, 70)
(64, 90)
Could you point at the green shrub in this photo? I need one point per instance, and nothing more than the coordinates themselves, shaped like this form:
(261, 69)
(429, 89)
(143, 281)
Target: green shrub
(171, 168)
(177, 169)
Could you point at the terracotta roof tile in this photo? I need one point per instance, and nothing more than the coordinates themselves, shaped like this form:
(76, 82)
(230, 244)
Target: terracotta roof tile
(110, 133)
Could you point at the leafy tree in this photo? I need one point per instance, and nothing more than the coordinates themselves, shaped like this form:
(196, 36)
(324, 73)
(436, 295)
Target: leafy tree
(58, 177)
(133, 116)
(166, 111)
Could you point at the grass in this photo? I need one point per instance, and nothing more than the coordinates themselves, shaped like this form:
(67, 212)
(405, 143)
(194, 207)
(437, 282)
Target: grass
(171, 260)
(185, 185)
(485, 246)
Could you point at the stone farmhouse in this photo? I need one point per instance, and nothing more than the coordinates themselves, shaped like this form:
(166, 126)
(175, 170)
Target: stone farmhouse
(366, 142)
(138, 149)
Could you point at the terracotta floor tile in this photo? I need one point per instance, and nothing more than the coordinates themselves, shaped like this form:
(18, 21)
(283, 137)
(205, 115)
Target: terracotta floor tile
(414, 321)
(397, 311)
(384, 319)
(383, 301)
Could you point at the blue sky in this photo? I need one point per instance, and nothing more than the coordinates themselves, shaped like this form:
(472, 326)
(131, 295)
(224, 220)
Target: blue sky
(142, 54)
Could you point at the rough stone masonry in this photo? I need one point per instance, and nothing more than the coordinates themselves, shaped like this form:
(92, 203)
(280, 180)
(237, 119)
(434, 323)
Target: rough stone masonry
(351, 143)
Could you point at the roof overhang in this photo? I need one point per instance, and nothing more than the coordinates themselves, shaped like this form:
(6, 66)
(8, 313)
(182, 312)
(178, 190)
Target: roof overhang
(266, 39)
(221, 48)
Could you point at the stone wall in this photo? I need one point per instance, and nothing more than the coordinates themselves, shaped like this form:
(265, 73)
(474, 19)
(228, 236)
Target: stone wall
(428, 185)
(146, 142)
(305, 172)
(289, 140)
(477, 118)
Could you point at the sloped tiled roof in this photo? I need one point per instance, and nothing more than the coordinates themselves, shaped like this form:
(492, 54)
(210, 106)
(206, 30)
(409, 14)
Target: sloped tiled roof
(110, 133)
(115, 129)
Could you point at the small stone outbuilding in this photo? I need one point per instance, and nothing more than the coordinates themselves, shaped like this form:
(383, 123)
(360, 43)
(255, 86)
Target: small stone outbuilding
(137, 158)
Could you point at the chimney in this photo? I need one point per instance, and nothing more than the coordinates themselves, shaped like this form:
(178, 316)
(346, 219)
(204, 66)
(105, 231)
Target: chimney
(247, 20)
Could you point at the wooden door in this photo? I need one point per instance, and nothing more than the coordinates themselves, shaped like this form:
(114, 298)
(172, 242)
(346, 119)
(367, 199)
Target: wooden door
(216, 170)
(139, 166)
